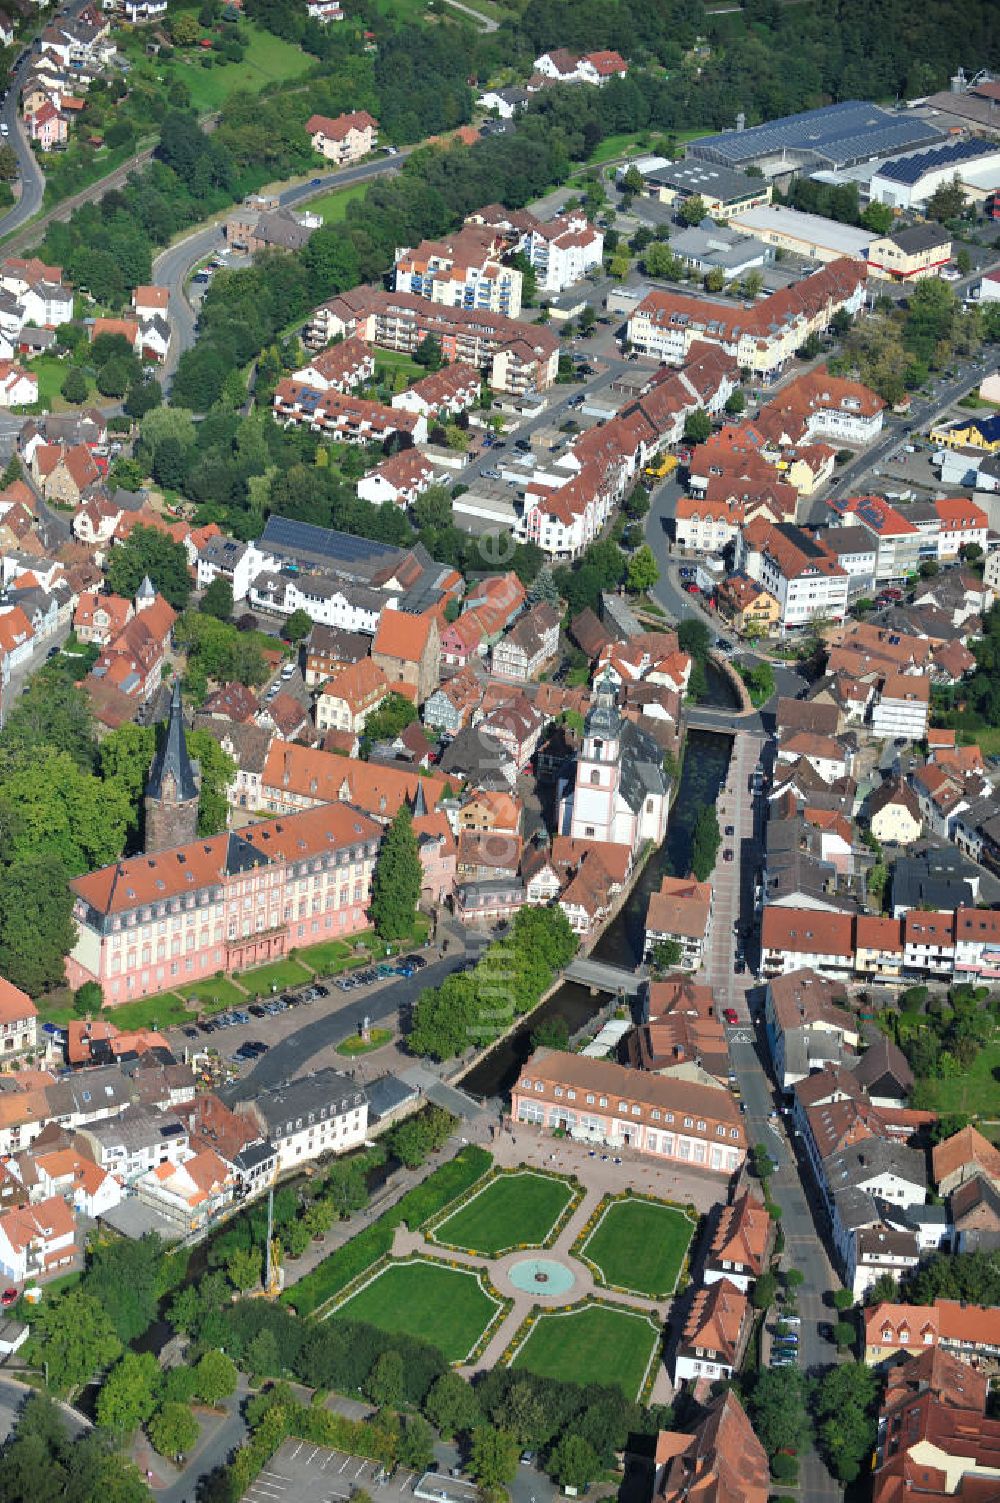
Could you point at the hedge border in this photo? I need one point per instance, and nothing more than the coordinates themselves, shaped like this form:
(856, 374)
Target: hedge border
(432, 1228)
(605, 1205)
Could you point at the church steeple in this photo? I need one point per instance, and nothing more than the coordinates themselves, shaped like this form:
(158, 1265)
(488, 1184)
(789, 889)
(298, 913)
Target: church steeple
(419, 802)
(174, 785)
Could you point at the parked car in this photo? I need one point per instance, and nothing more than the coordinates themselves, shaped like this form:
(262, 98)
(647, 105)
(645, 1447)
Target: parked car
(256, 1011)
(727, 854)
(730, 1014)
(9, 1297)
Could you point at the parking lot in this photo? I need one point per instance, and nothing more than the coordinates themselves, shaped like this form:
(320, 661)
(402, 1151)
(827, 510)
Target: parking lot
(300, 1472)
(246, 1047)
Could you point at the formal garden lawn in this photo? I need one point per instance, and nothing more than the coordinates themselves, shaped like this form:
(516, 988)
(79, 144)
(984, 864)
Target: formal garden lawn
(640, 1245)
(445, 1306)
(592, 1344)
(213, 994)
(329, 958)
(511, 1210)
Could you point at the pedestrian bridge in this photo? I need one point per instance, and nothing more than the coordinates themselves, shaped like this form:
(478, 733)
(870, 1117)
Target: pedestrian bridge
(604, 978)
(727, 722)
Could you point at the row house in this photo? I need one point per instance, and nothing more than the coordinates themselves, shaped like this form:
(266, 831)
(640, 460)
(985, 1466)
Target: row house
(741, 1241)
(323, 1112)
(516, 358)
(807, 1024)
(340, 368)
(794, 939)
(761, 337)
(223, 903)
(329, 650)
(898, 541)
(516, 726)
(529, 646)
(344, 418)
(901, 707)
(805, 579)
(398, 479)
(933, 1430)
(451, 707)
(715, 1334)
(351, 608)
(348, 700)
(444, 393)
(563, 522)
(969, 1332)
(680, 913)
(963, 943)
(485, 904)
(597, 1101)
(37, 1241)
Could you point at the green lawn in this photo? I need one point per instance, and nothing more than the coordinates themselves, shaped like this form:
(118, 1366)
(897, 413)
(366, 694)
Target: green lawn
(512, 1209)
(214, 994)
(640, 1245)
(327, 958)
(50, 372)
(356, 1045)
(445, 1306)
(975, 1091)
(268, 59)
(279, 974)
(592, 1344)
(333, 206)
(162, 1011)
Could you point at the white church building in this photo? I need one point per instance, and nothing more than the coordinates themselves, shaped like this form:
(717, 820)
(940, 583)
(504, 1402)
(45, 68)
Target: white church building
(621, 794)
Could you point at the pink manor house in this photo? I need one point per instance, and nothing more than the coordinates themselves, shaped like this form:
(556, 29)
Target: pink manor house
(154, 922)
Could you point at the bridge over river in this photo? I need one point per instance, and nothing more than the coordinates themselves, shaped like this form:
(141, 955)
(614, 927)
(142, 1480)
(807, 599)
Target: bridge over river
(603, 977)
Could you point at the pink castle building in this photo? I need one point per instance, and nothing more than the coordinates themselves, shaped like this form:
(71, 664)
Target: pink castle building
(155, 922)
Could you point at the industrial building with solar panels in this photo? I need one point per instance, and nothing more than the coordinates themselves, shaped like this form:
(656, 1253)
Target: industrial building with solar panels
(836, 136)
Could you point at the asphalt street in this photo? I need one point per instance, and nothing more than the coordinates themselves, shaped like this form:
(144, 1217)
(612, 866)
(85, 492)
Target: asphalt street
(173, 266)
(343, 1014)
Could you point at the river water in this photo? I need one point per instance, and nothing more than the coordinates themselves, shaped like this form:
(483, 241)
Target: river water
(706, 761)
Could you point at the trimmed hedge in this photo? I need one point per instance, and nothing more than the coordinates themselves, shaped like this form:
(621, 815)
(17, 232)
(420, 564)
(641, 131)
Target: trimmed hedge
(374, 1242)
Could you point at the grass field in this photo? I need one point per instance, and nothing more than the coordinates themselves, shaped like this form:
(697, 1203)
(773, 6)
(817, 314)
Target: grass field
(333, 206)
(640, 1245)
(592, 1345)
(280, 974)
(975, 1091)
(163, 1011)
(512, 1209)
(214, 994)
(267, 60)
(51, 373)
(356, 1045)
(327, 958)
(445, 1306)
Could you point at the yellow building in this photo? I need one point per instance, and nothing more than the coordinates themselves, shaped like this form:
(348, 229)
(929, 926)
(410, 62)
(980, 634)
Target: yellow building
(752, 610)
(906, 255)
(894, 814)
(970, 433)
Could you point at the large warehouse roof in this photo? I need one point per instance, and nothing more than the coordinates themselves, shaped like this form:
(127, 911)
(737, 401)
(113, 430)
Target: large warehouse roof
(910, 169)
(835, 136)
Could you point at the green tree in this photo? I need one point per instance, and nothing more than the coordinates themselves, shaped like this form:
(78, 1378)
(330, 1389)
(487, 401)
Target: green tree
(573, 1462)
(87, 1000)
(697, 426)
(452, 1407)
(244, 1268)
(428, 353)
(666, 955)
(632, 179)
(217, 600)
(393, 715)
(416, 1444)
(963, 261)
(386, 1383)
(764, 1290)
(52, 712)
(297, 627)
(777, 1411)
(149, 551)
(141, 397)
(396, 883)
(660, 261)
(36, 924)
(493, 1456)
(216, 1375)
(877, 218)
(844, 1334)
(74, 386)
(843, 1299)
(946, 202)
(128, 1394)
(72, 1338)
(694, 637)
(705, 842)
(844, 1409)
(173, 1430)
(753, 284)
(184, 29)
(693, 209)
(53, 808)
(715, 280)
(735, 403)
(642, 573)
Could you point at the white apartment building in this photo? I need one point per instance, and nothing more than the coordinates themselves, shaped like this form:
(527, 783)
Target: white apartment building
(929, 943)
(562, 251)
(807, 582)
(462, 272)
(139, 1139)
(977, 944)
(326, 1112)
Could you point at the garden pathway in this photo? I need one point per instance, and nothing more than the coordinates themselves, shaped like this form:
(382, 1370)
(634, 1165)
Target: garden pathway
(408, 1244)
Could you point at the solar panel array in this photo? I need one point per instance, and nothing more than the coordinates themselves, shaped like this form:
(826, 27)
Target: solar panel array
(911, 169)
(836, 135)
(303, 537)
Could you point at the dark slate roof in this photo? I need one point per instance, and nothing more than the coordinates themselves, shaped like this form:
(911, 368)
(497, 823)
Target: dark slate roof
(324, 1089)
(172, 758)
(386, 1095)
